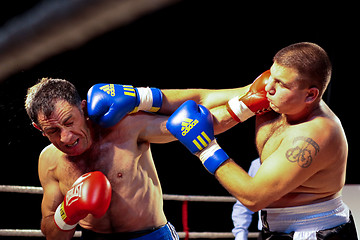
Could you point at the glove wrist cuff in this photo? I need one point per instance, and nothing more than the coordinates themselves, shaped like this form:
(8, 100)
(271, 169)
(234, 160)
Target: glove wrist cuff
(59, 218)
(238, 110)
(212, 156)
(150, 99)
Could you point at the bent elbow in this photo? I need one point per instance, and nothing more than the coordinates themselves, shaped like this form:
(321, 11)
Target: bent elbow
(255, 208)
(253, 205)
(43, 227)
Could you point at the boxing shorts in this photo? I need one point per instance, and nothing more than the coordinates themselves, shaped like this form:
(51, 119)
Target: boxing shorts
(326, 220)
(165, 232)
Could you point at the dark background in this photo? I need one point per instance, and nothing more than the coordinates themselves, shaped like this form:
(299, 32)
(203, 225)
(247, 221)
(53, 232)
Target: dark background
(192, 44)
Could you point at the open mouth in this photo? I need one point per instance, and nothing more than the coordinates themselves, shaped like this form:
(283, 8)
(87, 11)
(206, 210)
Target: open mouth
(73, 144)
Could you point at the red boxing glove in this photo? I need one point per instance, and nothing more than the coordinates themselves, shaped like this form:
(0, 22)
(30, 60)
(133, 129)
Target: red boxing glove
(91, 193)
(253, 102)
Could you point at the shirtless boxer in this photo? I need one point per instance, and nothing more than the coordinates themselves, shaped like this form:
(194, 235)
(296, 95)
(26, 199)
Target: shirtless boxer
(301, 144)
(79, 146)
(115, 156)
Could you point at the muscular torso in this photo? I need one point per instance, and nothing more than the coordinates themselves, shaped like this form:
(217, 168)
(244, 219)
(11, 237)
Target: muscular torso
(136, 202)
(329, 180)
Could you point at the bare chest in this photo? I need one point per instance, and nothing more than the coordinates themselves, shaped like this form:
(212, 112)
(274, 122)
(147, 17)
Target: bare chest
(118, 161)
(136, 190)
(269, 135)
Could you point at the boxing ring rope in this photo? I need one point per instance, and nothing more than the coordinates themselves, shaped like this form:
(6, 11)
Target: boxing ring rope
(168, 197)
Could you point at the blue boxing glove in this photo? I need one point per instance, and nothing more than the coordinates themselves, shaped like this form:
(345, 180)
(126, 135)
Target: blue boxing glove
(192, 124)
(107, 104)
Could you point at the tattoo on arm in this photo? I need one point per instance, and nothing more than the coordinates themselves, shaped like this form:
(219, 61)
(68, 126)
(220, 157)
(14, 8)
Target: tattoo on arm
(304, 151)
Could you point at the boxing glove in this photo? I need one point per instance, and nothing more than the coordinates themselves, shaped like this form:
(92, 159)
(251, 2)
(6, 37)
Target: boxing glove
(90, 194)
(254, 102)
(107, 104)
(192, 124)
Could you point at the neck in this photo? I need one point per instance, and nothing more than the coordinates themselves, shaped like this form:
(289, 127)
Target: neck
(301, 116)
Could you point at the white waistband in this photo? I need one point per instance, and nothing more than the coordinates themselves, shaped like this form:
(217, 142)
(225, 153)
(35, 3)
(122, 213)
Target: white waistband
(313, 217)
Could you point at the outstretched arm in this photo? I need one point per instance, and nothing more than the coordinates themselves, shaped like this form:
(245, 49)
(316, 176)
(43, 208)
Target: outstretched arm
(240, 108)
(107, 104)
(252, 96)
(172, 99)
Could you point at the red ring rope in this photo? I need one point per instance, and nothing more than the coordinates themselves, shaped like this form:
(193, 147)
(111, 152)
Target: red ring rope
(185, 219)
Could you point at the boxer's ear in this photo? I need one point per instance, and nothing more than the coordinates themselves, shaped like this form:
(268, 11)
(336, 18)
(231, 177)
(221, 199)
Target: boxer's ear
(84, 108)
(38, 128)
(84, 105)
(312, 94)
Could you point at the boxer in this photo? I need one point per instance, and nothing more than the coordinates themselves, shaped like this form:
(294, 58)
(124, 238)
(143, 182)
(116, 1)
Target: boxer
(102, 178)
(301, 144)
(98, 171)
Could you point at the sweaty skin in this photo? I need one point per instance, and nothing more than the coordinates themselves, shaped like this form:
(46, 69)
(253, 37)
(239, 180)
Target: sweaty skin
(122, 153)
(301, 144)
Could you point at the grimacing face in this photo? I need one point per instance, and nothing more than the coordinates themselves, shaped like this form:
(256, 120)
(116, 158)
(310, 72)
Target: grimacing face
(284, 91)
(66, 128)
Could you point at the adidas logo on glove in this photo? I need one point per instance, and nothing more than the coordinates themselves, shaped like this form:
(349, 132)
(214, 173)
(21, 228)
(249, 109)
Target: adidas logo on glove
(187, 125)
(109, 89)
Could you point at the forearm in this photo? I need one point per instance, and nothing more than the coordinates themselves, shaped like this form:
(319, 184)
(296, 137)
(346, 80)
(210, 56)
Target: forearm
(239, 184)
(209, 98)
(52, 232)
(222, 119)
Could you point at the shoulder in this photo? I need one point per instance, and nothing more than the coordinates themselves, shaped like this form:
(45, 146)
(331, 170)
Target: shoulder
(324, 128)
(325, 124)
(49, 155)
(319, 129)
(321, 137)
(48, 161)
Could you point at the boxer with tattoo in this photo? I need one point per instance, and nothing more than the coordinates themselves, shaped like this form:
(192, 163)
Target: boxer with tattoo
(301, 144)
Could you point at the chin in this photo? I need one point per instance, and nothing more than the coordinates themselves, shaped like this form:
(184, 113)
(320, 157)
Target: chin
(274, 108)
(73, 152)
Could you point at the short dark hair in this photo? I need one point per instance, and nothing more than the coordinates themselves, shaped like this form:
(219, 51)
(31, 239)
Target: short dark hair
(41, 97)
(311, 62)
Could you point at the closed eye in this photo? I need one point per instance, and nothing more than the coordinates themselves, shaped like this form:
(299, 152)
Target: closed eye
(281, 83)
(68, 124)
(51, 130)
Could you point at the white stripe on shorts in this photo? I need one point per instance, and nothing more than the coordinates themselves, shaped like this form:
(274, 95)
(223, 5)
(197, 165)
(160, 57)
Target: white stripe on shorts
(174, 234)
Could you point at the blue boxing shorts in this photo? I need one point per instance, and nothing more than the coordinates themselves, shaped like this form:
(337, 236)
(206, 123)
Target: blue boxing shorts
(165, 232)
